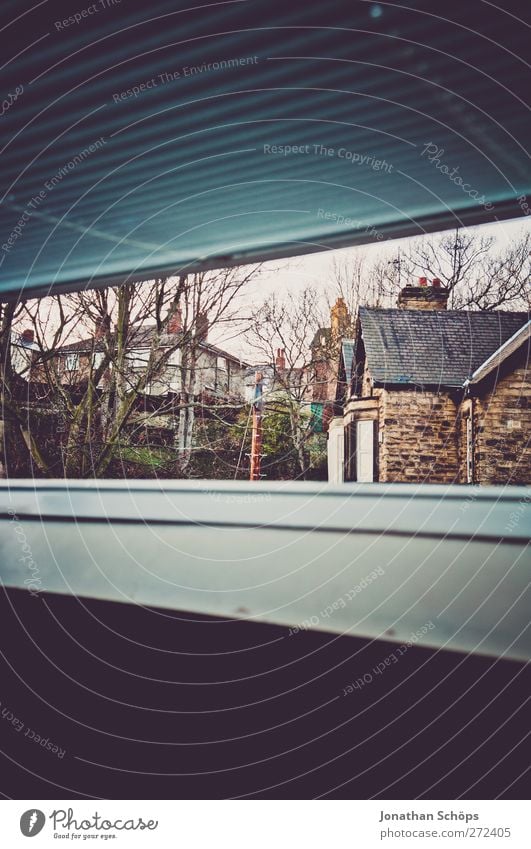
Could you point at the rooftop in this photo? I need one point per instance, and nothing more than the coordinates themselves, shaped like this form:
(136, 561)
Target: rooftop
(141, 337)
(439, 347)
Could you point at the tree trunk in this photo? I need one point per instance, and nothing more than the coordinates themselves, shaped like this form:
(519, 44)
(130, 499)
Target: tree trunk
(16, 458)
(185, 433)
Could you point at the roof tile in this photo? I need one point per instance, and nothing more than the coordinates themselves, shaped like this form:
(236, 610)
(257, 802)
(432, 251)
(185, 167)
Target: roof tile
(439, 347)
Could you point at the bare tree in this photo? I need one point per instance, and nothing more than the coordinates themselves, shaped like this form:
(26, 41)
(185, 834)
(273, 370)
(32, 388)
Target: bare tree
(15, 448)
(506, 280)
(97, 406)
(209, 300)
(281, 335)
(94, 407)
(22, 450)
(361, 282)
(477, 272)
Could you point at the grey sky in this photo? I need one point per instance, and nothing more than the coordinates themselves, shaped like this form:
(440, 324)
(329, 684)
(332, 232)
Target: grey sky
(316, 270)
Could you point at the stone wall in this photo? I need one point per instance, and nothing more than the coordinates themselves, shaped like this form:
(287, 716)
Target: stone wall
(502, 428)
(423, 434)
(427, 298)
(419, 442)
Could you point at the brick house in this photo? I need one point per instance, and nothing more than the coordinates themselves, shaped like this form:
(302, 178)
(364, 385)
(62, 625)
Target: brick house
(427, 394)
(325, 348)
(322, 369)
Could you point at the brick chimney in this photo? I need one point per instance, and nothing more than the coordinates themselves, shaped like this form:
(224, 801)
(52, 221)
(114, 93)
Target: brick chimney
(280, 359)
(175, 324)
(101, 326)
(339, 318)
(424, 296)
(27, 336)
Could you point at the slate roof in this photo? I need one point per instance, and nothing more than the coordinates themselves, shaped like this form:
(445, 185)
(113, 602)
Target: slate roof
(521, 337)
(141, 337)
(347, 349)
(433, 347)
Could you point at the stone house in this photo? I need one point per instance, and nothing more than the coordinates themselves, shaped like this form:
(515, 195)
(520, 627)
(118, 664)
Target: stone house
(427, 394)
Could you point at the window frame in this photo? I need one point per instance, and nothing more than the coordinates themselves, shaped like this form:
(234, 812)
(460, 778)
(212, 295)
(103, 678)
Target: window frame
(138, 358)
(74, 356)
(351, 449)
(362, 452)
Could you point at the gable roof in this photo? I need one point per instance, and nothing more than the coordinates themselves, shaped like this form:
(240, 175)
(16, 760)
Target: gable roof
(497, 358)
(433, 347)
(141, 337)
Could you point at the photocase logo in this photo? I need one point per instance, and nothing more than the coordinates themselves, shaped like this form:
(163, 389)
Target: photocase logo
(32, 822)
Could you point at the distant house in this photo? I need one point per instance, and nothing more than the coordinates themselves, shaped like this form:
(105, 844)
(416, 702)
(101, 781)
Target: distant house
(218, 372)
(293, 380)
(325, 348)
(24, 351)
(323, 368)
(426, 394)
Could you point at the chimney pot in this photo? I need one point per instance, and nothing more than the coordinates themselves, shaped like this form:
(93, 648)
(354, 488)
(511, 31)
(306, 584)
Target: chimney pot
(423, 281)
(28, 335)
(280, 360)
(436, 283)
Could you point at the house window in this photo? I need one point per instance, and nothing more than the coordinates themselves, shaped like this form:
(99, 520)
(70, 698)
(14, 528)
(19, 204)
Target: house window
(138, 360)
(97, 359)
(336, 452)
(172, 372)
(361, 450)
(221, 374)
(174, 359)
(365, 451)
(71, 362)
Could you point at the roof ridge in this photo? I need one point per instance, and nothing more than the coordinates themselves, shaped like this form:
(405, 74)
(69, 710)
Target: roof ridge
(91, 341)
(400, 310)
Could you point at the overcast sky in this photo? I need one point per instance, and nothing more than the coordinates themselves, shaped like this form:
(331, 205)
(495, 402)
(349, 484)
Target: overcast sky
(294, 274)
(316, 270)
